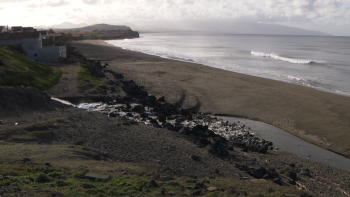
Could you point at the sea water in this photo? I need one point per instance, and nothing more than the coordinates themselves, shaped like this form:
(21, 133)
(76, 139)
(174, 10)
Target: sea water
(314, 61)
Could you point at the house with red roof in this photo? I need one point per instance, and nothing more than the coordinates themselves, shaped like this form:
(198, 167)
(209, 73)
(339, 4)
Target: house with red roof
(31, 42)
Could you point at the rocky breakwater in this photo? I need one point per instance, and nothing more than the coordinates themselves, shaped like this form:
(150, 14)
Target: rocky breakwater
(219, 137)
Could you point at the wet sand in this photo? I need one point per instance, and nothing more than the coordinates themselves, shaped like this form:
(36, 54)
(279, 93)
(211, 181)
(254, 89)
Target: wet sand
(318, 117)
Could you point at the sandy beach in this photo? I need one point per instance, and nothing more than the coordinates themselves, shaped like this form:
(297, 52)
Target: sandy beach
(318, 117)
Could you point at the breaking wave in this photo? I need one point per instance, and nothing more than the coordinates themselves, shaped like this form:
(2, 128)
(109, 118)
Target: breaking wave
(274, 56)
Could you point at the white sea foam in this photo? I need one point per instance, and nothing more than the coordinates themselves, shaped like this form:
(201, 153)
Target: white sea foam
(274, 56)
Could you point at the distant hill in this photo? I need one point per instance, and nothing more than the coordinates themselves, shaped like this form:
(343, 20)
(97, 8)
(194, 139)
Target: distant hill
(65, 25)
(227, 26)
(83, 26)
(103, 26)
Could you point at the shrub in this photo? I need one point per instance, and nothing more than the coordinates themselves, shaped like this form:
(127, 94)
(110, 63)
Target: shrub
(42, 178)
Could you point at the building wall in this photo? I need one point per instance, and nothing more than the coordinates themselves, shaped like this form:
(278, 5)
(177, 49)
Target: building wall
(35, 51)
(50, 54)
(28, 44)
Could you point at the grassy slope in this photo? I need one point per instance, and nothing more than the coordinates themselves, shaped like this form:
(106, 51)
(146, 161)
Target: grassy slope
(16, 69)
(34, 178)
(87, 81)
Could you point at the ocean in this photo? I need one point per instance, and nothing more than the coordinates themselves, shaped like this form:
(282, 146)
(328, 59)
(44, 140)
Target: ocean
(313, 61)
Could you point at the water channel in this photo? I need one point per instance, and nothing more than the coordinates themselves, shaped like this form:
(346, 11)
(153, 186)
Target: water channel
(288, 142)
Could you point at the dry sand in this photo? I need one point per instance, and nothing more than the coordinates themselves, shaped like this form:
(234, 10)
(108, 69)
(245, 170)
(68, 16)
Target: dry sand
(318, 117)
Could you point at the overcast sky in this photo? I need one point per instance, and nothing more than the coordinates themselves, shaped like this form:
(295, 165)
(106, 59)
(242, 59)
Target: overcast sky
(330, 16)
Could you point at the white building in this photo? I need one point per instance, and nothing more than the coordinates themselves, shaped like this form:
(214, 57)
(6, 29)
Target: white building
(32, 45)
(3, 29)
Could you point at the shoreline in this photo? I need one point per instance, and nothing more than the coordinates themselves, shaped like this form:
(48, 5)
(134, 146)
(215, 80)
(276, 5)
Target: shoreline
(316, 116)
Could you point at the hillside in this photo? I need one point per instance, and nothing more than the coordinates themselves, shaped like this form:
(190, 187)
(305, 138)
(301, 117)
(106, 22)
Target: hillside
(100, 26)
(16, 69)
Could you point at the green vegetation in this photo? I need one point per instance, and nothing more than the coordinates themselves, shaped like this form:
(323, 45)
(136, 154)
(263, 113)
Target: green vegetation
(16, 69)
(87, 81)
(35, 178)
(130, 185)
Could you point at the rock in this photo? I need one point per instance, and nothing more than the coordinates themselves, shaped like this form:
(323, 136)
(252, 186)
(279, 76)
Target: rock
(56, 194)
(231, 191)
(153, 121)
(132, 122)
(222, 151)
(211, 189)
(172, 193)
(93, 175)
(165, 179)
(185, 112)
(217, 171)
(161, 118)
(138, 109)
(153, 183)
(161, 99)
(175, 184)
(191, 181)
(147, 190)
(195, 158)
(195, 192)
(271, 174)
(184, 131)
(292, 175)
(262, 148)
(200, 185)
(2, 191)
(194, 177)
(113, 114)
(168, 126)
(259, 173)
(292, 182)
(239, 143)
(230, 148)
(203, 141)
(143, 115)
(305, 172)
(113, 89)
(277, 181)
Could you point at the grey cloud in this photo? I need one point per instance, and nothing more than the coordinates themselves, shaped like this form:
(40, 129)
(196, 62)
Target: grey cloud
(90, 2)
(56, 4)
(13, 1)
(1, 8)
(48, 4)
(188, 1)
(32, 5)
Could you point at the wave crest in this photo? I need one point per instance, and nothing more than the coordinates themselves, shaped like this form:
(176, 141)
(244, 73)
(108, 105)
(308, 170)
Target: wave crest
(274, 56)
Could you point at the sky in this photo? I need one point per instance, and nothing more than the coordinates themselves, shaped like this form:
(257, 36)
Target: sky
(330, 16)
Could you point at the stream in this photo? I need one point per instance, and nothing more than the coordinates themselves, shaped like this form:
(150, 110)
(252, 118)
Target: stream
(288, 142)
